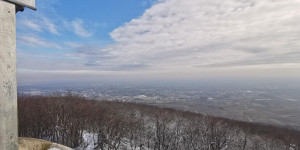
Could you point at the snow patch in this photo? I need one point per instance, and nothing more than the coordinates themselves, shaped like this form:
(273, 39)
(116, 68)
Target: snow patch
(54, 149)
(89, 141)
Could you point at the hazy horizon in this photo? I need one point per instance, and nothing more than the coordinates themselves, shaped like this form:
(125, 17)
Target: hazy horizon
(236, 83)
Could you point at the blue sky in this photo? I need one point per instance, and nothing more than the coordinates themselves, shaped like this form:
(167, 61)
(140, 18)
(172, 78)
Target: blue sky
(96, 18)
(98, 40)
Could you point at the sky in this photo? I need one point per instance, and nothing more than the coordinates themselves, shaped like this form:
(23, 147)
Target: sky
(136, 40)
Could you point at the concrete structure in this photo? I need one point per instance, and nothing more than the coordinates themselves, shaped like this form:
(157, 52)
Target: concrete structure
(37, 144)
(24, 3)
(8, 80)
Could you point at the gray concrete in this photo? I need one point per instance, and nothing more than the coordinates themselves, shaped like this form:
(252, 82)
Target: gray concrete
(25, 3)
(38, 144)
(8, 81)
(30, 3)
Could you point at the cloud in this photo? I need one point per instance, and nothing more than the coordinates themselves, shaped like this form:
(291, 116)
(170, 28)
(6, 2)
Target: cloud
(31, 25)
(34, 41)
(77, 25)
(192, 38)
(50, 26)
(189, 34)
(38, 23)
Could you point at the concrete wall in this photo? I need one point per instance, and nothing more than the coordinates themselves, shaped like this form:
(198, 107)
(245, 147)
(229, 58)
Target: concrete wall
(8, 83)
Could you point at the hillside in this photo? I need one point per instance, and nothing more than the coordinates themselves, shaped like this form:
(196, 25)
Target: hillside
(88, 124)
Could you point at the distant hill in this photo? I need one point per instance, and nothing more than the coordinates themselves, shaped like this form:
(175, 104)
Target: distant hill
(88, 124)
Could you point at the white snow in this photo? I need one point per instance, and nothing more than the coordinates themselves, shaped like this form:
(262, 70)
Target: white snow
(54, 149)
(89, 140)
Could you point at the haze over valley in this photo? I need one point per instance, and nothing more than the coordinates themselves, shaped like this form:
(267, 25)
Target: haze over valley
(270, 102)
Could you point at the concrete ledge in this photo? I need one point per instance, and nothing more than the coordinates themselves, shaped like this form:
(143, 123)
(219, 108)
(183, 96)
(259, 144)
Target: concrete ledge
(37, 144)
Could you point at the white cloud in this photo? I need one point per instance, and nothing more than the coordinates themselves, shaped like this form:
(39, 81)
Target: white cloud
(31, 25)
(38, 23)
(77, 25)
(34, 41)
(182, 38)
(199, 34)
(50, 26)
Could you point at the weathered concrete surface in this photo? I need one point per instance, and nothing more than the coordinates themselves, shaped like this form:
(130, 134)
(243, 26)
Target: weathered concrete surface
(30, 3)
(33, 144)
(37, 144)
(8, 83)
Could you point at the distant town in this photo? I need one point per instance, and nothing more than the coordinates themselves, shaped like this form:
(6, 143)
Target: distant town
(272, 105)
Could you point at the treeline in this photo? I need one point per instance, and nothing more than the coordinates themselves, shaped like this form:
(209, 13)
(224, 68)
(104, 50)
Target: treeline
(66, 119)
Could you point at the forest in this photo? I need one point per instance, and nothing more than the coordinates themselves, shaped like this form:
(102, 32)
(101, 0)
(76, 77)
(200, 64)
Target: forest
(68, 118)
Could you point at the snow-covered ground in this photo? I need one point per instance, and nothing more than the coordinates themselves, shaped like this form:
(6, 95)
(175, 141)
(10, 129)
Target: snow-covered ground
(89, 141)
(54, 149)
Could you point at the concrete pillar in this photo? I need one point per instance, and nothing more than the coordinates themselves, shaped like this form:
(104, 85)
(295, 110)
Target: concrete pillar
(8, 83)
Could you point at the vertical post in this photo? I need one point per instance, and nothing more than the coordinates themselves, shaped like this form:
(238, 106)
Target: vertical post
(8, 81)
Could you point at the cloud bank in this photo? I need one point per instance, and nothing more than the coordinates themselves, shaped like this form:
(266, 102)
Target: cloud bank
(190, 38)
(177, 34)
